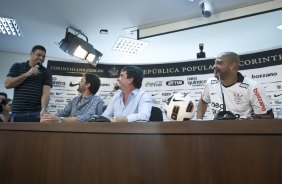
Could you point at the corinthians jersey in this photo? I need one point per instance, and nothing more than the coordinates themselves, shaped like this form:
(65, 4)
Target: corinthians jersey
(244, 98)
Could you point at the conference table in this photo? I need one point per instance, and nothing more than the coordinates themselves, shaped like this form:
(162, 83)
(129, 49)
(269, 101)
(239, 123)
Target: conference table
(218, 151)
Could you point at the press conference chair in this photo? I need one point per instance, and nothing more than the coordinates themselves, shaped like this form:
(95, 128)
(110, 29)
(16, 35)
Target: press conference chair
(156, 114)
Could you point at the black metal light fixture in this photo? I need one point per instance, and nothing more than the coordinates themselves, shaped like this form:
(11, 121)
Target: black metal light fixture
(76, 46)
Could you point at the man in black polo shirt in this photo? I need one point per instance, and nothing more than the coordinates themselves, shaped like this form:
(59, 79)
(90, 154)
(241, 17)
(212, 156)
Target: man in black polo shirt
(32, 83)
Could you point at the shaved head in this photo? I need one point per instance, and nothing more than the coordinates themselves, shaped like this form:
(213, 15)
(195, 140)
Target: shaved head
(231, 57)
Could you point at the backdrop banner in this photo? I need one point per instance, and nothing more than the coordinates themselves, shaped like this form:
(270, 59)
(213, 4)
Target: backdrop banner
(163, 80)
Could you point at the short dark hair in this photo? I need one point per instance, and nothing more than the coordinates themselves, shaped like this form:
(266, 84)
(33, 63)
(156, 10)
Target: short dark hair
(94, 82)
(4, 94)
(4, 102)
(38, 47)
(136, 73)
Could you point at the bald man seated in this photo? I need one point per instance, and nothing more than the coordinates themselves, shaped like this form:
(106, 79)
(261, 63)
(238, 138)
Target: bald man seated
(243, 97)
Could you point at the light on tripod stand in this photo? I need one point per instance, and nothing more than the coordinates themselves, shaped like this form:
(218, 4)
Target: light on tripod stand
(201, 54)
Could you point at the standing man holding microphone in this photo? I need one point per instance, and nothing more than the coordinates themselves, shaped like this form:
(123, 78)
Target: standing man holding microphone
(32, 83)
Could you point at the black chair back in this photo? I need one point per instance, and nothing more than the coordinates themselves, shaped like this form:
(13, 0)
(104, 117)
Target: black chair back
(104, 107)
(156, 114)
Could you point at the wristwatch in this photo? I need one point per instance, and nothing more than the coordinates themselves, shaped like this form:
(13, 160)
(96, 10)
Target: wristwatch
(61, 120)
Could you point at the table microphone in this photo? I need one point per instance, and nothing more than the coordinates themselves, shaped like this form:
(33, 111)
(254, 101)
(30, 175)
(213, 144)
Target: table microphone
(116, 87)
(222, 115)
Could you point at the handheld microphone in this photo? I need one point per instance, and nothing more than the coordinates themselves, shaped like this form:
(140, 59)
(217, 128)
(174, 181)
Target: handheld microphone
(38, 64)
(217, 73)
(222, 115)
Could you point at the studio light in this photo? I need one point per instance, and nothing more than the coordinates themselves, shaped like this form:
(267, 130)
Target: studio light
(76, 46)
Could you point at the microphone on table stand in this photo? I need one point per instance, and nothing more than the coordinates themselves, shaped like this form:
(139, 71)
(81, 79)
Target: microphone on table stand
(116, 87)
(222, 115)
(96, 118)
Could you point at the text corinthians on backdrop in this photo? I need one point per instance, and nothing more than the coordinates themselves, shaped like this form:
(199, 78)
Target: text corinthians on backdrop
(163, 80)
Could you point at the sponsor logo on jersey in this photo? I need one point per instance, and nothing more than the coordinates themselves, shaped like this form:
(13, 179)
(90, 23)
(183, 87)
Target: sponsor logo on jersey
(217, 105)
(175, 83)
(238, 98)
(263, 108)
(244, 85)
